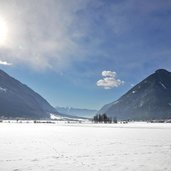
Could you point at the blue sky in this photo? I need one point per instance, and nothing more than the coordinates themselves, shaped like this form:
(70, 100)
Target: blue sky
(60, 48)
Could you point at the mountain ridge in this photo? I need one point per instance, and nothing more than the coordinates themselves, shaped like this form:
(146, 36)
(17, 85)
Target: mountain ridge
(149, 99)
(18, 100)
(79, 112)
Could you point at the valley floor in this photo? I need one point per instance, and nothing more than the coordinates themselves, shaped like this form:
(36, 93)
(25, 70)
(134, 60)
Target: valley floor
(84, 147)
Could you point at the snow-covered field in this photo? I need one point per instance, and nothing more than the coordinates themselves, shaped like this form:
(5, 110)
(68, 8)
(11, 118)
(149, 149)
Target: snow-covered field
(79, 147)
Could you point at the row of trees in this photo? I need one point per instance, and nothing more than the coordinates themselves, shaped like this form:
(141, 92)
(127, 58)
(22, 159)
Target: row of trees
(103, 118)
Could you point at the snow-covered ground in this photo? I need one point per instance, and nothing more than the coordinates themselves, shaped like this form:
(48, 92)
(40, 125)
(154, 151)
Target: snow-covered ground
(79, 147)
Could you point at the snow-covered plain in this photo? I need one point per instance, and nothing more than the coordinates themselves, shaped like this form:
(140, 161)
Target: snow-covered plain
(79, 147)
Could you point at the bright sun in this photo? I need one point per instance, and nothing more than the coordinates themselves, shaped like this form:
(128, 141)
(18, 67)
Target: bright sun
(3, 31)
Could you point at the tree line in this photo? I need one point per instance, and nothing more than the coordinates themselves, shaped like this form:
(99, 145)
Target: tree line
(103, 118)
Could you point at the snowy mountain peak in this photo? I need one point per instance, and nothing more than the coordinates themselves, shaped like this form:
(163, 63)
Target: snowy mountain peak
(162, 71)
(19, 101)
(148, 99)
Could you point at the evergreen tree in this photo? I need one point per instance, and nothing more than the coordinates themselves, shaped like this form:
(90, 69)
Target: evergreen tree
(115, 120)
(99, 118)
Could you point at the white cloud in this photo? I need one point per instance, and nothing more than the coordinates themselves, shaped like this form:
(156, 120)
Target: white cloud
(109, 81)
(108, 74)
(5, 63)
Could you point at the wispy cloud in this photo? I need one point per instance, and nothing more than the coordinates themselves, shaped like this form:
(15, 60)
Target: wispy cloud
(54, 34)
(5, 63)
(41, 32)
(109, 81)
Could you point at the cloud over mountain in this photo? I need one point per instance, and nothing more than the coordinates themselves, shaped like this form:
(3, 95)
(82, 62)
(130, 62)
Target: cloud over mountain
(109, 81)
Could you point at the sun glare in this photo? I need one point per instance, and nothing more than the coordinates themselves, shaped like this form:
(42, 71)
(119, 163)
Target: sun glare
(3, 31)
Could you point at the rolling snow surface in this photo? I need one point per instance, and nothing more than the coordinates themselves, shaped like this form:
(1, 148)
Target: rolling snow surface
(84, 147)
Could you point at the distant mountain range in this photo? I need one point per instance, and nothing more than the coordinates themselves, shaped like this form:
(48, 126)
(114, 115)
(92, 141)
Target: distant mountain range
(86, 113)
(148, 100)
(19, 101)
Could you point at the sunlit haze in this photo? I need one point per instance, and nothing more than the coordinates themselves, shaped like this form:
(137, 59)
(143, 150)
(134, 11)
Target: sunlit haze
(3, 31)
